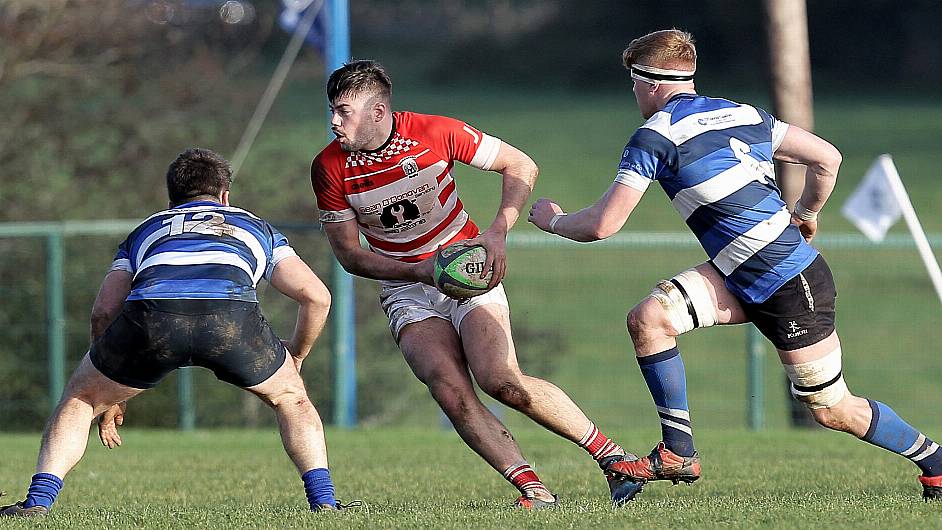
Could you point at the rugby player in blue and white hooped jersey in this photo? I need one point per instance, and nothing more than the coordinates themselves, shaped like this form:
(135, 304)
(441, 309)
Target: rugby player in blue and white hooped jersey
(181, 292)
(714, 159)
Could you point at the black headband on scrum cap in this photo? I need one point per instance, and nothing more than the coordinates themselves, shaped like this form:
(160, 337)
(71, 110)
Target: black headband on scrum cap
(663, 76)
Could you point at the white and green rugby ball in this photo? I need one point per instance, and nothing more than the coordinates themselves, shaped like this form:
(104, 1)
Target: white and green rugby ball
(458, 269)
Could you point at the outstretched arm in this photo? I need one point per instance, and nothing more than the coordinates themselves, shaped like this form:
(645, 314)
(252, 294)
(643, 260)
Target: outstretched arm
(111, 296)
(519, 174)
(344, 239)
(296, 280)
(592, 223)
(114, 290)
(823, 160)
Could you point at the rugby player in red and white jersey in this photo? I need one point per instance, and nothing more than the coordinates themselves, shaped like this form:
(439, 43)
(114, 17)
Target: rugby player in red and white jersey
(388, 176)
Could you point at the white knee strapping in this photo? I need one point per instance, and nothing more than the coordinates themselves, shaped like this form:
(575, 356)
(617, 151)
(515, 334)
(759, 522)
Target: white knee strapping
(687, 301)
(818, 384)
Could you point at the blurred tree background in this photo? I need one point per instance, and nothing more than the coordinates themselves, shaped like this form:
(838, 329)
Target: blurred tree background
(155, 76)
(98, 96)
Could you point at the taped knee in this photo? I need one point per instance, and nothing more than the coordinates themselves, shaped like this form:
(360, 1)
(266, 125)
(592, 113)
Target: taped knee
(687, 301)
(818, 384)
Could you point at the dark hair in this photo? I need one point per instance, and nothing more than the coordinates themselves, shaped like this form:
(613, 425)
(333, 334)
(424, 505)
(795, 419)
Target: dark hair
(359, 76)
(197, 172)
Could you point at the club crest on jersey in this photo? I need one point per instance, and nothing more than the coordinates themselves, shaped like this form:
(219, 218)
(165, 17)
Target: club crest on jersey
(410, 167)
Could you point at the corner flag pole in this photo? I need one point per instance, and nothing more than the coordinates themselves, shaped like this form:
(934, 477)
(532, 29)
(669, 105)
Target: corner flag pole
(915, 227)
(344, 315)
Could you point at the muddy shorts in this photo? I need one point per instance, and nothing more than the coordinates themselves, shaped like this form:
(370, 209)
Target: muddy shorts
(151, 338)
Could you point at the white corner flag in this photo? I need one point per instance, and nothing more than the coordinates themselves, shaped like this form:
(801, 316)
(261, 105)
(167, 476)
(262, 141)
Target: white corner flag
(873, 207)
(879, 201)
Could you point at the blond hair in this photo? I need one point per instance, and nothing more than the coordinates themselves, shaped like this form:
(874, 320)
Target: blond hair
(669, 48)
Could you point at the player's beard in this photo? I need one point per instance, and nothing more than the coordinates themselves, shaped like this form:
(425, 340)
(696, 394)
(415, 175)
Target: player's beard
(361, 139)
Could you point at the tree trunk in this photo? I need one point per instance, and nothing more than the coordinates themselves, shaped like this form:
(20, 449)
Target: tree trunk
(790, 65)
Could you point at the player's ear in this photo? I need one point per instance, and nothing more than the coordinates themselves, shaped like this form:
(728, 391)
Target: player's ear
(379, 110)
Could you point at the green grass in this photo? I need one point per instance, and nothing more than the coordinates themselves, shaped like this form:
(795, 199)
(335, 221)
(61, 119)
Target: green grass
(428, 479)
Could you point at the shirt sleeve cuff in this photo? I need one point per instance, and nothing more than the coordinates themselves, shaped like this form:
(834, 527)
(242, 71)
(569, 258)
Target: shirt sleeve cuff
(632, 180)
(121, 264)
(277, 255)
(337, 216)
(778, 134)
(486, 153)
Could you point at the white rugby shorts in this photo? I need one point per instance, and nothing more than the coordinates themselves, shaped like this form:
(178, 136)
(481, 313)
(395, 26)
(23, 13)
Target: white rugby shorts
(405, 303)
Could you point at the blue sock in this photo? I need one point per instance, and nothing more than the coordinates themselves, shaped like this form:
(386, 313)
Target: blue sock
(889, 431)
(667, 381)
(43, 490)
(318, 487)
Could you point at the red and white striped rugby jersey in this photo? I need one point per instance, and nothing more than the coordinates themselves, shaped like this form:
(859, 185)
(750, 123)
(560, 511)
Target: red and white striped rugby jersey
(403, 194)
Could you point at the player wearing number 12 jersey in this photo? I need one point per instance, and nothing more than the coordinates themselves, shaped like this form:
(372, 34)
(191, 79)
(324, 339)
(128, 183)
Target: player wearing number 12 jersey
(180, 292)
(388, 176)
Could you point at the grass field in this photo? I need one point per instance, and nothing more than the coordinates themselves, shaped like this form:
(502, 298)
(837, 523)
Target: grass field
(428, 479)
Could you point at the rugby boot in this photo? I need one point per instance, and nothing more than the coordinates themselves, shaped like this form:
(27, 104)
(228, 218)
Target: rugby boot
(931, 487)
(661, 464)
(622, 487)
(340, 506)
(17, 510)
(528, 502)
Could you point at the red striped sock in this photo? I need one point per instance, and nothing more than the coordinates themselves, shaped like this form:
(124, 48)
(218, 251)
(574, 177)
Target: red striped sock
(598, 445)
(524, 478)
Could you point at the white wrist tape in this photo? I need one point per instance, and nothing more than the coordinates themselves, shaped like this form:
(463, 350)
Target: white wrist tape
(554, 220)
(803, 213)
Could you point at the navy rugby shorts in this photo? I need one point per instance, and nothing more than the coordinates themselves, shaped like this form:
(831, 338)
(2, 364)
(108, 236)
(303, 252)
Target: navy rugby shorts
(151, 338)
(801, 312)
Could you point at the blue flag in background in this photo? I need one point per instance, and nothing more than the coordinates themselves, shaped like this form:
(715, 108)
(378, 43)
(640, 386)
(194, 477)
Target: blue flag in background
(292, 14)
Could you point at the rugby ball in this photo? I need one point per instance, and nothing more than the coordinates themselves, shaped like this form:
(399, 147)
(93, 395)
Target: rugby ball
(458, 269)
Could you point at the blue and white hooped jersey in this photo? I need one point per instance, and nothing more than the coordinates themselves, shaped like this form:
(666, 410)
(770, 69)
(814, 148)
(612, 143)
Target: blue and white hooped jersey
(713, 158)
(203, 250)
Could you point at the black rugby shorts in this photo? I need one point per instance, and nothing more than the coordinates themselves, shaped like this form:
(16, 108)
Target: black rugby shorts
(151, 338)
(801, 312)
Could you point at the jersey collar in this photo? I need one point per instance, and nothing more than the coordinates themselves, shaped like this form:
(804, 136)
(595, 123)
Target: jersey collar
(682, 95)
(197, 203)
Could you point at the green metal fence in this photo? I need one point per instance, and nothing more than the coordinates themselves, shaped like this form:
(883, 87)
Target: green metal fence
(530, 250)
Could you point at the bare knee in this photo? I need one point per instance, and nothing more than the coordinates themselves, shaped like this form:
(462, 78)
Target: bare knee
(455, 400)
(852, 415)
(508, 389)
(288, 396)
(647, 321)
(832, 419)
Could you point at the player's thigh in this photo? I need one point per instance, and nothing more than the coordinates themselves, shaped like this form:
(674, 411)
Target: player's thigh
(88, 384)
(727, 306)
(488, 343)
(284, 384)
(811, 353)
(433, 351)
(694, 298)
